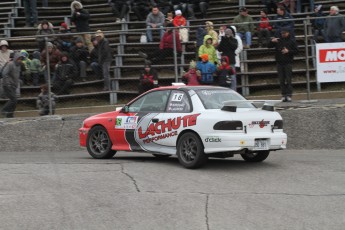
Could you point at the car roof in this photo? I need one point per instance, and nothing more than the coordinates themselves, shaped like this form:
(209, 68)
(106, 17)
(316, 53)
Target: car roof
(188, 87)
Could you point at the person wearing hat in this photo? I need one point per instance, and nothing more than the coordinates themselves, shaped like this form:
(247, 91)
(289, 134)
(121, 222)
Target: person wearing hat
(26, 71)
(179, 20)
(210, 31)
(80, 18)
(282, 20)
(44, 29)
(10, 82)
(64, 40)
(206, 69)
(54, 55)
(334, 25)
(80, 57)
(191, 77)
(264, 29)
(30, 9)
(246, 27)
(318, 23)
(225, 74)
(64, 74)
(5, 53)
(148, 79)
(186, 7)
(285, 50)
(208, 48)
(104, 58)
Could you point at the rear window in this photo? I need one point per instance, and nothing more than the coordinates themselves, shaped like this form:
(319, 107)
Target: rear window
(215, 98)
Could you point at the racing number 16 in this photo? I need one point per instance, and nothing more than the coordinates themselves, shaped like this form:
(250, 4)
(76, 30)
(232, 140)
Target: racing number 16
(177, 97)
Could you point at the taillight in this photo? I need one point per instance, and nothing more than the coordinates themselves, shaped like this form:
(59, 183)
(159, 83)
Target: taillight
(228, 125)
(278, 124)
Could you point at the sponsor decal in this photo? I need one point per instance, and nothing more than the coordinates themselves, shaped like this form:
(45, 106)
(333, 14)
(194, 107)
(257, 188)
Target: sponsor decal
(332, 55)
(124, 122)
(176, 107)
(261, 123)
(166, 129)
(213, 139)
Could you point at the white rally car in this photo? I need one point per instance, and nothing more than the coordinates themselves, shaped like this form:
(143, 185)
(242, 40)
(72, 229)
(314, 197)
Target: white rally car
(193, 122)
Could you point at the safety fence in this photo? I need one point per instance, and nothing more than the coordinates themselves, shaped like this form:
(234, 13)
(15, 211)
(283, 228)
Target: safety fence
(130, 51)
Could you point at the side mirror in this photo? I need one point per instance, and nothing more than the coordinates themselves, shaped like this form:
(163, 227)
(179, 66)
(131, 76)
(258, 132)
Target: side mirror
(125, 109)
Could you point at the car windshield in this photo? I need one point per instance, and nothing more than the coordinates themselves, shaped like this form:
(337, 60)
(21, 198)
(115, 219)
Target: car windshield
(215, 98)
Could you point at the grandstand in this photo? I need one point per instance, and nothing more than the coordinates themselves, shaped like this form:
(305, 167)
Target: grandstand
(258, 75)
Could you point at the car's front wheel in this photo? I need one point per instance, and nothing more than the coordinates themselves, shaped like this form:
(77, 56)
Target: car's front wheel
(255, 156)
(98, 143)
(190, 151)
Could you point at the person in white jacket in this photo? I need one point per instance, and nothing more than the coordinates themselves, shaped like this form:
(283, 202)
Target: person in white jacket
(238, 50)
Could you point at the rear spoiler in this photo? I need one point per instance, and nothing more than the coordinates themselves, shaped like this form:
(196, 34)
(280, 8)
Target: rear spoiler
(268, 105)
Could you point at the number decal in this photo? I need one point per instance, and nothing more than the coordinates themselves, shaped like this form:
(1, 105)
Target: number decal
(177, 97)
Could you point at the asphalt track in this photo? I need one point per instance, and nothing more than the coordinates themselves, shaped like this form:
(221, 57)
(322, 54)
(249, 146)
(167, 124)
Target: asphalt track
(292, 189)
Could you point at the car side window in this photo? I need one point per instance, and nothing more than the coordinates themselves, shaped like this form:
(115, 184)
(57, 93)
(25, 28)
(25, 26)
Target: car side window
(152, 102)
(179, 102)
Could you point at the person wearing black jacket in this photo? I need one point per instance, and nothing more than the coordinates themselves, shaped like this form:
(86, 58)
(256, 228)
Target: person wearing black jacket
(141, 9)
(64, 74)
(285, 50)
(148, 79)
(104, 58)
(120, 8)
(80, 18)
(228, 46)
(79, 57)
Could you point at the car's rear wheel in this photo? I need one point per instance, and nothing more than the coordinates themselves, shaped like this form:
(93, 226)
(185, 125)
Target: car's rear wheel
(255, 156)
(98, 143)
(190, 151)
(160, 156)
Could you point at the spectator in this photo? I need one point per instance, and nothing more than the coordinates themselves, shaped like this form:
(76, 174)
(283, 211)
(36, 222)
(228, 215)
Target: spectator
(79, 58)
(10, 81)
(271, 6)
(186, 6)
(200, 34)
(36, 68)
(63, 42)
(155, 20)
(246, 26)
(334, 25)
(202, 6)
(42, 102)
(169, 19)
(166, 46)
(26, 72)
(104, 58)
(148, 79)
(96, 68)
(238, 50)
(54, 58)
(226, 74)
(210, 31)
(164, 6)
(141, 9)
(80, 18)
(285, 50)
(5, 53)
(120, 8)
(44, 29)
(289, 5)
(264, 29)
(227, 47)
(300, 2)
(318, 23)
(191, 77)
(65, 72)
(221, 34)
(30, 8)
(283, 20)
(206, 70)
(179, 20)
(208, 48)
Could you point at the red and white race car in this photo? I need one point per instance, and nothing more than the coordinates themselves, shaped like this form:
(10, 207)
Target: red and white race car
(193, 122)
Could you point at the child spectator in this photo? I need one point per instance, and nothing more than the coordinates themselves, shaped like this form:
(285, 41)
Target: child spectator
(46, 29)
(79, 58)
(191, 77)
(65, 72)
(208, 48)
(26, 73)
(210, 31)
(148, 79)
(179, 20)
(169, 19)
(36, 68)
(207, 69)
(226, 74)
(264, 29)
(63, 42)
(42, 101)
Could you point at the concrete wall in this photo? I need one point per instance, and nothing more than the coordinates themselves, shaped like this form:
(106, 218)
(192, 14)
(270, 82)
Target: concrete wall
(317, 127)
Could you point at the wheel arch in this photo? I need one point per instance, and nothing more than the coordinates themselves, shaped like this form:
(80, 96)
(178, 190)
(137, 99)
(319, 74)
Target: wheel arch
(188, 131)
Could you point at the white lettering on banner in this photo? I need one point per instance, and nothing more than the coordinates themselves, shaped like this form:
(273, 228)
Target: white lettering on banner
(330, 59)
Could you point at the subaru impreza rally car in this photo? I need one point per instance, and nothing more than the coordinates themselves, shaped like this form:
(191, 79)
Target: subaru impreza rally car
(192, 122)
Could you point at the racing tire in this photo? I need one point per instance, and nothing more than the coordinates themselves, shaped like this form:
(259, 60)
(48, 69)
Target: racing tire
(98, 143)
(255, 156)
(190, 151)
(159, 156)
